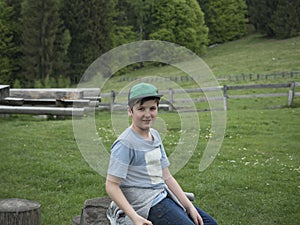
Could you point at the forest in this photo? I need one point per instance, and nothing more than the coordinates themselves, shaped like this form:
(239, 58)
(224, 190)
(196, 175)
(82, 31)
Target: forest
(50, 43)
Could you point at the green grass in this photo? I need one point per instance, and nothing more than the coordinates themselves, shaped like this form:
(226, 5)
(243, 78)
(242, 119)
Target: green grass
(254, 54)
(255, 179)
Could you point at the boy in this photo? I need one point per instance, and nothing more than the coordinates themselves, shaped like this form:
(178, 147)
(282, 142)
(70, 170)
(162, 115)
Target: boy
(138, 180)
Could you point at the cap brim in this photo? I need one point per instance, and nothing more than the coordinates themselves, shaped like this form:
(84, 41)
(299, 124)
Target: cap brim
(145, 96)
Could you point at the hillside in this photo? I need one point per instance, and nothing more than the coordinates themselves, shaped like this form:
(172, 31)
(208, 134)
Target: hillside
(254, 54)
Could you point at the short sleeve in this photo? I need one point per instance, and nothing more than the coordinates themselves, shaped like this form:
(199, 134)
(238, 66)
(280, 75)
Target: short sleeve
(120, 159)
(164, 159)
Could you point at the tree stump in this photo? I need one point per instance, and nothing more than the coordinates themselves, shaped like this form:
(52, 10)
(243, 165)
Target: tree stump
(16, 211)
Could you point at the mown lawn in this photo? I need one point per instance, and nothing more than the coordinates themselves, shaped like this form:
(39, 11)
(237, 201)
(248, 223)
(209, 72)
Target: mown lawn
(255, 178)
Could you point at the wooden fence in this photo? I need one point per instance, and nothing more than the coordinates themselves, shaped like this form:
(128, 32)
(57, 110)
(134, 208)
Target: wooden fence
(172, 96)
(240, 77)
(75, 101)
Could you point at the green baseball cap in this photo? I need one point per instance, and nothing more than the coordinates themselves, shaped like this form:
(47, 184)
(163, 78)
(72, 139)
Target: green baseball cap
(142, 90)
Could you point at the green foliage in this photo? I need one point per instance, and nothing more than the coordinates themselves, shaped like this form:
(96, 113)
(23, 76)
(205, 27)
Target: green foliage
(275, 18)
(180, 22)
(141, 13)
(63, 82)
(49, 82)
(285, 21)
(40, 25)
(16, 84)
(60, 38)
(38, 84)
(226, 19)
(91, 28)
(7, 46)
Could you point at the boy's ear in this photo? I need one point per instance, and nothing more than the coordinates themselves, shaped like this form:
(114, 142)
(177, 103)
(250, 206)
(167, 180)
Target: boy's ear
(129, 111)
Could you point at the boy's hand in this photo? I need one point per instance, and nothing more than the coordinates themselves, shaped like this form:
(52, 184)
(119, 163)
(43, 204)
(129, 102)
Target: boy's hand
(138, 220)
(194, 215)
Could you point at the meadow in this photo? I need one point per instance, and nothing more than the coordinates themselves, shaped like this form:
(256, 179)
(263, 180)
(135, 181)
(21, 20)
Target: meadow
(255, 178)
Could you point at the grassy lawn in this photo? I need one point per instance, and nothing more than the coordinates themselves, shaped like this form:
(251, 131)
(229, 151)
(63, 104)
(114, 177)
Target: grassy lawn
(254, 54)
(255, 178)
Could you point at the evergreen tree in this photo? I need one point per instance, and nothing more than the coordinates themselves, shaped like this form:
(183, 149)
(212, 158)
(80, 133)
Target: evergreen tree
(7, 47)
(260, 12)
(61, 62)
(124, 29)
(275, 18)
(15, 25)
(40, 26)
(285, 22)
(226, 19)
(180, 22)
(91, 28)
(141, 12)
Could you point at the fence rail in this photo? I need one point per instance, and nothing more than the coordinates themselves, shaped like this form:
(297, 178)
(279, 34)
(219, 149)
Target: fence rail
(239, 77)
(172, 96)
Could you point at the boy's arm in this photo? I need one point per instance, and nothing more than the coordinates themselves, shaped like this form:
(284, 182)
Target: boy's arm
(115, 193)
(178, 192)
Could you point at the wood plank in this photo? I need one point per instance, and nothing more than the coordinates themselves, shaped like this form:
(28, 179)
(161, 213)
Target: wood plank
(4, 91)
(59, 111)
(259, 95)
(90, 92)
(78, 103)
(40, 102)
(258, 86)
(12, 101)
(47, 93)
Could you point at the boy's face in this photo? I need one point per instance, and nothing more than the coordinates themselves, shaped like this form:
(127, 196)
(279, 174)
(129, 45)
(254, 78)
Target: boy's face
(143, 115)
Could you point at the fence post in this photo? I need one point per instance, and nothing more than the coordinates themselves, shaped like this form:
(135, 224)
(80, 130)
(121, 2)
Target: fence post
(171, 99)
(112, 99)
(225, 96)
(291, 93)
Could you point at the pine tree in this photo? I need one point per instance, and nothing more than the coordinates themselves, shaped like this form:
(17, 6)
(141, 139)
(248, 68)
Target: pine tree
(61, 62)
(124, 29)
(180, 22)
(7, 47)
(15, 25)
(91, 28)
(141, 12)
(40, 25)
(226, 19)
(275, 18)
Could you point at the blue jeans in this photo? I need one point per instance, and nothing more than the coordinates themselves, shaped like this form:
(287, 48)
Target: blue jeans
(168, 212)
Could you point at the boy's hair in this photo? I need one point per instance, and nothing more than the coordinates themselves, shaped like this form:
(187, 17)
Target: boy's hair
(142, 100)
